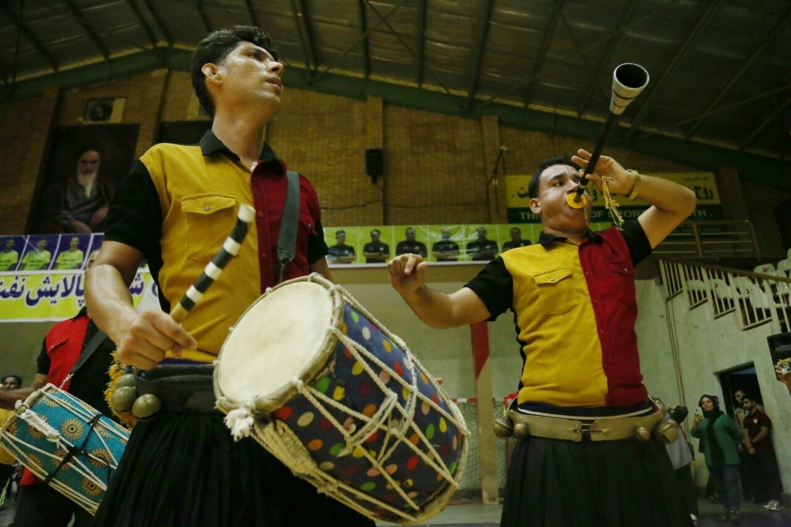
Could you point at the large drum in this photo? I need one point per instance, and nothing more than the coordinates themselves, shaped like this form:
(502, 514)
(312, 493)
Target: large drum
(342, 402)
(67, 443)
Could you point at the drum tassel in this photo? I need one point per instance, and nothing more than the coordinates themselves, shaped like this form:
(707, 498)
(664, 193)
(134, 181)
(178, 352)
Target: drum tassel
(240, 422)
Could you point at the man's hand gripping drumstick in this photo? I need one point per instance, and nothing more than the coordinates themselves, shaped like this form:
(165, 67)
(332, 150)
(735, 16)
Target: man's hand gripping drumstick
(143, 338)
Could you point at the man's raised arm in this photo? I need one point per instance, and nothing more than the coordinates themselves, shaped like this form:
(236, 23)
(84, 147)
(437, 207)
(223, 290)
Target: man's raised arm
(671, 203)
(437, 309)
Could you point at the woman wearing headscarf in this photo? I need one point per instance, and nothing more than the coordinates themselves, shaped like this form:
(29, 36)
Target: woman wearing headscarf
(719, 437)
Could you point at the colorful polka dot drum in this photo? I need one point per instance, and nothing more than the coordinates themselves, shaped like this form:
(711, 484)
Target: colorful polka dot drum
(347, 381)
(96, 450)
(374, 428)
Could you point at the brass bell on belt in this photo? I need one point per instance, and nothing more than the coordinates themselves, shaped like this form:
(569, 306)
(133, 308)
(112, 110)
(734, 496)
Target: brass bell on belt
(123, 398)
(666, 433)
(146, 406)
(503, 427)
(642, 434)
(521, 430)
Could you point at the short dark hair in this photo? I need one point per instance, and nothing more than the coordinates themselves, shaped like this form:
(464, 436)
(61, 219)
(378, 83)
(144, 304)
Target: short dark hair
(215, 47)
(377, 231)
(747, 396)
(86, 148)
(532, 187)
(340, 231)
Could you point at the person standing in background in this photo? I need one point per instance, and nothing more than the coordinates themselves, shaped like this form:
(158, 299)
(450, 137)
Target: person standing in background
(719, 438)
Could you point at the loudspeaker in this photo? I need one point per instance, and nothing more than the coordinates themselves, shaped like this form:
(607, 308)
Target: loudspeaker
(374, 162)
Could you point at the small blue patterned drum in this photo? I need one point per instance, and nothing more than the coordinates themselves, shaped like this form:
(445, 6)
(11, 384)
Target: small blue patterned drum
(342, 402)
(67, 443)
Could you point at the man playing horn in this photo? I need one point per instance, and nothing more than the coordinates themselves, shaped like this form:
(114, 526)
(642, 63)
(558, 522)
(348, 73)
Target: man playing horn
(585, 455)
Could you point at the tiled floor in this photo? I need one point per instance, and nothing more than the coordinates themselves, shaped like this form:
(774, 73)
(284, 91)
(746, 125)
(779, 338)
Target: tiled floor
(478, 515)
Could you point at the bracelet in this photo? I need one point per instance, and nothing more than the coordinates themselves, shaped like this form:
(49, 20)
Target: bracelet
(636, 187)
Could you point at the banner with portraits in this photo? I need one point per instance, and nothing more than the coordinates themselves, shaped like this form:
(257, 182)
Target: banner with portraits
(376, 244)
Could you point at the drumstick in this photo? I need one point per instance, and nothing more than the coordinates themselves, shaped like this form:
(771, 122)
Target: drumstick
(214, 268)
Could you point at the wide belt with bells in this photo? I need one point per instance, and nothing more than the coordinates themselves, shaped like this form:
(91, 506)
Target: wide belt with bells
(641, 428)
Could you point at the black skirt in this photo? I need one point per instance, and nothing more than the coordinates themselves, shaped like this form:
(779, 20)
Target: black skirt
(185, 470)
(603, 484)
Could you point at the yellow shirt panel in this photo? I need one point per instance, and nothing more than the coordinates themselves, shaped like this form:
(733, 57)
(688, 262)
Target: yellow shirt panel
(200, 198)
(563, 365)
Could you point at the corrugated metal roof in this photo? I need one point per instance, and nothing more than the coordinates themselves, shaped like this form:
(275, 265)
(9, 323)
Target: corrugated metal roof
(720, 69)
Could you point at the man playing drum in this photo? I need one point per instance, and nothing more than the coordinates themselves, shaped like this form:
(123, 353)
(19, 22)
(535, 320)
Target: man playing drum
(581, 397)
(175, 209)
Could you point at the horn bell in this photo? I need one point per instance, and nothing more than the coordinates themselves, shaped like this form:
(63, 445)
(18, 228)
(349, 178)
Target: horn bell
(628, 80)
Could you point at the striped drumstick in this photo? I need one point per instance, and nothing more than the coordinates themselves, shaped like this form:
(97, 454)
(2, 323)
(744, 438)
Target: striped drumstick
(214, 268)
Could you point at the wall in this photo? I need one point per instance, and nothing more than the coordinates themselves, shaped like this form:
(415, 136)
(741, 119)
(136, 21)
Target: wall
(438, 168)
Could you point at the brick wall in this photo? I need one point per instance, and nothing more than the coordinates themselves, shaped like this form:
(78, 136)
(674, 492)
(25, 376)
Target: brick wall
(24, 131)
(438, 168)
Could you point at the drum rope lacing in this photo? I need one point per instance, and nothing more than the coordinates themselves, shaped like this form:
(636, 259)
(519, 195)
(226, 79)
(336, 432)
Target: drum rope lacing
(285, 445)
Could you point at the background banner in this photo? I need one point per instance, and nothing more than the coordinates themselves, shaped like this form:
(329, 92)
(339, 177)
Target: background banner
(40, 296)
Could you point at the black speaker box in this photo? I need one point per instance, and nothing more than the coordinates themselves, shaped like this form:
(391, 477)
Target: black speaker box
(374, 162)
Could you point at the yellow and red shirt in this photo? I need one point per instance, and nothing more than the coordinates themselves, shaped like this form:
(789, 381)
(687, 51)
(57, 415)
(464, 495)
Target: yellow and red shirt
(575, 311)
(178, 205)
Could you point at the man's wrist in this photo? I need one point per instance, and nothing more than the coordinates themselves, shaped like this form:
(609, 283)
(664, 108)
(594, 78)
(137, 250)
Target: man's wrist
(635, 186)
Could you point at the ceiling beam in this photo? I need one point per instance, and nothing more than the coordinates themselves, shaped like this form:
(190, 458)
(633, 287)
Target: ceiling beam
(542, 53)
(478, 48)
(76, 13)
(765, 42)
(406, 45)
(251, 13)
(765, 123)
(605, 60)
(561, 62)
(715, 110)
(421, 40)
(204, 17)
(23, 29)
(305, 35)
(162, 28)
(656, 90)
(381, 21)
(140, 20)
(363, 28)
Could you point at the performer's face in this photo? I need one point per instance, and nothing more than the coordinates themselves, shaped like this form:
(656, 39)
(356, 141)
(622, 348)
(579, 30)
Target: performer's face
(410, 235)
(250, 70)
(556, 183)
(516, 235)
(41, 245)
(340, 238)
(9, 245)
(74, 243)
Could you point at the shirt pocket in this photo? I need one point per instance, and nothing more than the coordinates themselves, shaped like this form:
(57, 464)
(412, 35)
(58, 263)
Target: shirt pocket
(621, 282)
(556, 293)
(210, 219)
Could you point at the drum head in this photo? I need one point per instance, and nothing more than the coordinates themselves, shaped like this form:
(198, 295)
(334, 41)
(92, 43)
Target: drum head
(278, 338)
